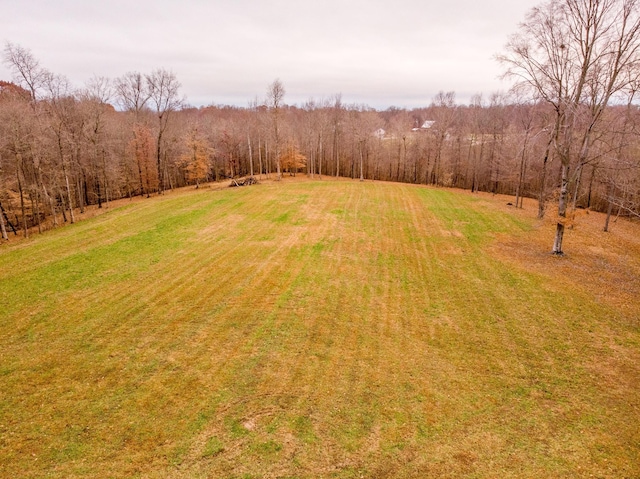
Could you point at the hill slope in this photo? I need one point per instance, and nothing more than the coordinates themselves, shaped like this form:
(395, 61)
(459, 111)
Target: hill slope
(319, 329)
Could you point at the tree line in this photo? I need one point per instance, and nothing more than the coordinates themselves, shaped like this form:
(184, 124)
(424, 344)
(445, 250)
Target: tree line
(567, 134)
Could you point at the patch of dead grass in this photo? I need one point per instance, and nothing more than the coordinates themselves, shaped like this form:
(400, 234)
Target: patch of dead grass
(604, 265)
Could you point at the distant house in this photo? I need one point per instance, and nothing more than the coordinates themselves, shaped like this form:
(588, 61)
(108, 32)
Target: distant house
(425, 126)
(379, 133)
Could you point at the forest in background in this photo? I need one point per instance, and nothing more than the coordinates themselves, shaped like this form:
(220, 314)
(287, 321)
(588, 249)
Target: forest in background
(63, 148)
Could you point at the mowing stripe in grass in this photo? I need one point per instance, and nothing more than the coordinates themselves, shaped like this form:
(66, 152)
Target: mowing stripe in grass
(305, 329)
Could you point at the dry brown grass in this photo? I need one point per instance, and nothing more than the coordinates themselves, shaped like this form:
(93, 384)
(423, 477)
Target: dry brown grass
(331, 329)
(603, 264)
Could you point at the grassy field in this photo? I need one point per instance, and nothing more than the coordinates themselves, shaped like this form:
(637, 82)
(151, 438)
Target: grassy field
(320, 329)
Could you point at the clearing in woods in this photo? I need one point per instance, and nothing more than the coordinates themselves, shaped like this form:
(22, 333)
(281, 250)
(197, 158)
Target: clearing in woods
(320, 329)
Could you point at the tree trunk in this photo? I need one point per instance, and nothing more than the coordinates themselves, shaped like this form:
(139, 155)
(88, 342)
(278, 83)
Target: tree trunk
(4, 213)
(66, 179)
(404, 159)
(83, 192)
(64, 208)
(523, 161)
(99, 192)
(574, 202)
(542, 196)
(106, 179)
(250, 155)
(320, 154)
(277, 141)
(159, 162)
(52, 207)
(361, 163)
(138, 156)
(260, 157)
(591, 178)
(610, 207)
(562, 209)
(3, 230)
(22, 207)
(35, 209)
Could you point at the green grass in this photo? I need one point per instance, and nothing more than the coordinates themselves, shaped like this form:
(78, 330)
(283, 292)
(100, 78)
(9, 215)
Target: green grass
(311, 330)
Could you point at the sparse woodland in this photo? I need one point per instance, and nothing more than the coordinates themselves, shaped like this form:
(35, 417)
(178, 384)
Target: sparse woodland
(567, 135)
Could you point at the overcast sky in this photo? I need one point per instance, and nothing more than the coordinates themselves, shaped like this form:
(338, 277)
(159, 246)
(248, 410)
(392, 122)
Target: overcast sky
(377, 52)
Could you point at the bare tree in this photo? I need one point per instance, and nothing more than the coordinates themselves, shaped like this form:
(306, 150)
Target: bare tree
(3, 229)
(131, 92)
(337, 112)
(360, 126)
(95, 98)
(623, 159)
(132, 95)
(576, 55)
(443, 111)
(26, 69)
(275, 98)
(163, 89)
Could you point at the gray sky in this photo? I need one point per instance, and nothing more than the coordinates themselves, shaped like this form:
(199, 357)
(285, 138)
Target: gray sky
(377, 52)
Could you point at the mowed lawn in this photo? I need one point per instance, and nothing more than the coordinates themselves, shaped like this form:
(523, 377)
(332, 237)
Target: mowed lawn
(320, 329)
